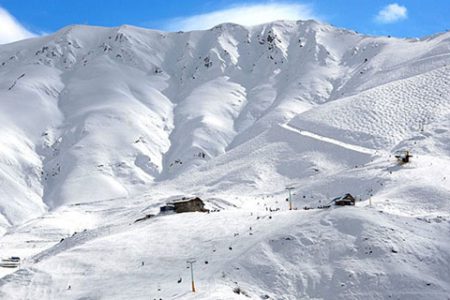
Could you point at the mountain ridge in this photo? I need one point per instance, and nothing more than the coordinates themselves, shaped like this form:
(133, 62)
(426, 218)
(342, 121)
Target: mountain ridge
(179, 79)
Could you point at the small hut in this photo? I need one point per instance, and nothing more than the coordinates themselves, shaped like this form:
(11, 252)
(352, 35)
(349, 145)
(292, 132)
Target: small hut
(189, 205)
(11, 262)
(346, 199)
(403, 157)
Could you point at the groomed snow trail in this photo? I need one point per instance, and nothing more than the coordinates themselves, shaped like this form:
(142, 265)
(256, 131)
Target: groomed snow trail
(331, 140)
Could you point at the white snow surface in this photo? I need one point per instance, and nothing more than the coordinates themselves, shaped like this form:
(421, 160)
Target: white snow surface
(101, 126)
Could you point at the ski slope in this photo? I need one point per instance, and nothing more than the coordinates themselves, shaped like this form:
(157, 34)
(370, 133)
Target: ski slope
(102, 126)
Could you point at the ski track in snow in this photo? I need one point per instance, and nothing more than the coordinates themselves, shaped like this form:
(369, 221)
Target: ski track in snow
(330, 140)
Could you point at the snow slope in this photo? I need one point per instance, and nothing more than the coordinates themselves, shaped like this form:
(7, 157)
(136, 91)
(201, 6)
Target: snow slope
(100, 126)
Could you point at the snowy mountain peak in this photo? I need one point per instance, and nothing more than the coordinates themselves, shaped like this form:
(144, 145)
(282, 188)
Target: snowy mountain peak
(159, 104)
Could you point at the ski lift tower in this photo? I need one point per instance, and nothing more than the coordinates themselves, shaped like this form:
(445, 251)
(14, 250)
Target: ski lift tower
(290, 188)
(191, 263)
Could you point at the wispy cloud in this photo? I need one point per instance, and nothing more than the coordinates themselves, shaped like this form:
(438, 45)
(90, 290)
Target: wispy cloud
(244, 15)
(10, 29)
(392, 13)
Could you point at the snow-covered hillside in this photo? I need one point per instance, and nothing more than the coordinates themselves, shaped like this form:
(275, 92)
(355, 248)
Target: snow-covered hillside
(101, 126)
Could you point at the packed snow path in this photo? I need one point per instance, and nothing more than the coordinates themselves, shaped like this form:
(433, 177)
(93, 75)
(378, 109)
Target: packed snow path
(330, 140)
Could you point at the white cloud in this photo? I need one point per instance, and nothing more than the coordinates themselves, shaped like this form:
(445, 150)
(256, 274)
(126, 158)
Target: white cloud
(10, 29)
(392, 13)
(246, 15)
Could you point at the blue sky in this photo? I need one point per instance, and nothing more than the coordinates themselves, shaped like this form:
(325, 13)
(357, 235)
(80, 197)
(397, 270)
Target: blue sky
(408, 18)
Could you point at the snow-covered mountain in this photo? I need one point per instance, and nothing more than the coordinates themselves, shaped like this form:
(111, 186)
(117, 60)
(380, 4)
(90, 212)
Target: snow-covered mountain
(101, 126)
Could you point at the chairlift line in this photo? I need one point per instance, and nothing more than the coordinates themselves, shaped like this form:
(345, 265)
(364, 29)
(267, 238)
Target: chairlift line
(289, 188)
(191, 263)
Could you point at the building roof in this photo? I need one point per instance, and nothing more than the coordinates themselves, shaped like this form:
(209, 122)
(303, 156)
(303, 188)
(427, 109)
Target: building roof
(186, 200)
(344, 197)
